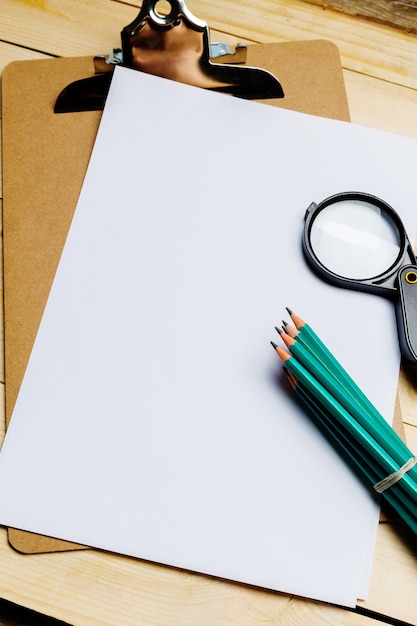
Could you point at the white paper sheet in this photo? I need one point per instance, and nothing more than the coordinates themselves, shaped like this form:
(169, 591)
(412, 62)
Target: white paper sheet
(154, 419)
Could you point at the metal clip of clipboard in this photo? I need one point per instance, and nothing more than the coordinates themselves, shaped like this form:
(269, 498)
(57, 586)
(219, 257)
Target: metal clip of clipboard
(174, 45)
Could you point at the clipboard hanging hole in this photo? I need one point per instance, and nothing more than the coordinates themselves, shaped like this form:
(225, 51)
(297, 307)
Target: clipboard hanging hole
(164, 12)
(162, 8)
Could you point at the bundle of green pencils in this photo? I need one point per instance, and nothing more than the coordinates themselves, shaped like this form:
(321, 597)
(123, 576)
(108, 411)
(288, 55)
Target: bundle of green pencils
(349, 419)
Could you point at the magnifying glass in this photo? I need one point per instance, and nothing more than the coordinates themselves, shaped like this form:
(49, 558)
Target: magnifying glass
(358, 241)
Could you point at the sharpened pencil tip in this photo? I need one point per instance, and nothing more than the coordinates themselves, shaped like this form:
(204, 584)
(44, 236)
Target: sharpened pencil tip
(284, 324)
(289, 311)
(298, 322)
(288, 340)
(283, 354)
(279, 330)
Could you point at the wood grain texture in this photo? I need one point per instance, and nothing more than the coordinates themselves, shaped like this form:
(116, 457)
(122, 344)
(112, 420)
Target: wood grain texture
(367, 48)
(398, 13)
(395, 556)
(381, 104)
(66, 29)
(10, 52)
(408, 398)
(94, 588)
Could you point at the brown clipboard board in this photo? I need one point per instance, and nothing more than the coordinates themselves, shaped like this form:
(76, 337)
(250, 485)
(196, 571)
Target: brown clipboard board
(45, 157)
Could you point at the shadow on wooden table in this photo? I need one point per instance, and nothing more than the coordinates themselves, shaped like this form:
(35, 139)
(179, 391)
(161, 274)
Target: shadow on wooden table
(14, 615)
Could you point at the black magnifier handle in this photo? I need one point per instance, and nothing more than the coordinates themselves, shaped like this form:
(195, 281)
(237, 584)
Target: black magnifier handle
(406, 310)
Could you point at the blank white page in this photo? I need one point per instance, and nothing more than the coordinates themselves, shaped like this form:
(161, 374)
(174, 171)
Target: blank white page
(154, 419)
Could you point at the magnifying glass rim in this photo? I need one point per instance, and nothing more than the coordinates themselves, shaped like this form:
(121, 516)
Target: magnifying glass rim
(315, 209)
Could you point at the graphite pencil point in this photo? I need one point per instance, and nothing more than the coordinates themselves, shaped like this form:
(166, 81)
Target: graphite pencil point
(283, 354)
(287, 339)
(298, 322)
(279, 331)
(274, 345)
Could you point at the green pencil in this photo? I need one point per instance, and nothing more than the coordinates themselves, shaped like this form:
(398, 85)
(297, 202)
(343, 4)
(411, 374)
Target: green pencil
(307, 336)
(335, 408)
(316, 357)
(403, 505)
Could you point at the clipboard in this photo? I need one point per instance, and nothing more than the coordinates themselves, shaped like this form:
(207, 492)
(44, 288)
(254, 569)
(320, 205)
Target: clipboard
(45, 157)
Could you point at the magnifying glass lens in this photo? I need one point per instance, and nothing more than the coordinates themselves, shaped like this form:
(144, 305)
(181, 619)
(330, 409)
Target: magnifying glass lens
(355, 239)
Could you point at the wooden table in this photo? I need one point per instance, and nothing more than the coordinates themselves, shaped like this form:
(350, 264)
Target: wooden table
(92, 587)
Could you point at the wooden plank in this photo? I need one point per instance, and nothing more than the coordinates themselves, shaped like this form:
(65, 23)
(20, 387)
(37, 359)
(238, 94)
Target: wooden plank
(365, 47)
(411, 436)
(398, 13)
(407, 394)
(91, 588)
(10, 53)
(395, 556)
(76, 28)
(62, 28)
(381, 104)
